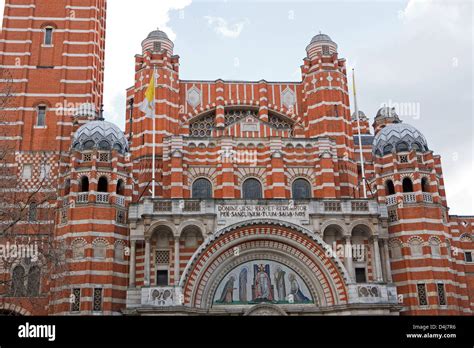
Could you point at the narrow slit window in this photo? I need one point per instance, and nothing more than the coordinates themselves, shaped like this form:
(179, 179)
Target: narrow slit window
(162, 278)
(361, 276)
(441, 294)
(422, 297)
(41, 120)
(48, 36)
(468, 256)
(76, 300)
(97, 300)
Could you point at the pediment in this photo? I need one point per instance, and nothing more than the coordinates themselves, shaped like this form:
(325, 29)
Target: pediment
(251, 126)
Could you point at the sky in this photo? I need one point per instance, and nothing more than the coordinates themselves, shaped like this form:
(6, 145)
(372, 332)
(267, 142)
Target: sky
(415, 55)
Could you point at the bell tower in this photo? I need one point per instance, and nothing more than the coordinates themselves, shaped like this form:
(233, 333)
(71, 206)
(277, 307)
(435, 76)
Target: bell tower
(327, 112)
(53, 55)
(157, 61)
(52, 66)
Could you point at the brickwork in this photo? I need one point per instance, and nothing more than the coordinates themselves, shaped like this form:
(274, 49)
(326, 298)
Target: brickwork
(257, 146)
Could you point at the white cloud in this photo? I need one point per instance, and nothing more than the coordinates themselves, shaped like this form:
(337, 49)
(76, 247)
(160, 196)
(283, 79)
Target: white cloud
(458, 172)
(225, 29)
(439, 18)
(128, 23)
(428, 61)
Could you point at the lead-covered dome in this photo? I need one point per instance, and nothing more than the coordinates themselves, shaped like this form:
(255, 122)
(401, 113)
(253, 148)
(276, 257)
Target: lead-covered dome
(100, 135)
(158, 34)
(156, 41)
(321, 44)
(399, 137)
(387, 112)
(362, 115)
(322, 38)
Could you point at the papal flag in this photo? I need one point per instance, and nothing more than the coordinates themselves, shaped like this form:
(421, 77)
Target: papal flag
(148, 105)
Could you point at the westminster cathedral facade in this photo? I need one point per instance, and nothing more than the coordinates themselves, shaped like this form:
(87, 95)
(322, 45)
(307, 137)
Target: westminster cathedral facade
(255, 204)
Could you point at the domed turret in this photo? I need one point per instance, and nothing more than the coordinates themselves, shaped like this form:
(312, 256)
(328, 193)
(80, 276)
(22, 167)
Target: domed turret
(156, 41)
(385, 116)
(387, 112)
(101, 135)
(362, 116)
(86, 110)
(399, 137)
(321, 44)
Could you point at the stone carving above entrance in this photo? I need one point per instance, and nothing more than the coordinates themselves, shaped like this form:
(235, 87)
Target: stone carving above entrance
(265, 310)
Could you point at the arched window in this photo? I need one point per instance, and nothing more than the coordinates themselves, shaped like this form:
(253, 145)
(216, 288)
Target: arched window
(301, 189)
(104, 145)
(389, 188)
(33, 212)
(89, 145)
(396, 250)
(407, 185)
(67, 187)
(252, 189)
(402, 147)
(100, 250)
(120, 187)
(41, 116)
(202, 189)
(417, 147)
(425, 185)
(416, 248)
(387, 149)
(103, 185)
(192, 237)
(33, 286)
(18, 281)
(48, 36)
(435, 247)
(78, 250)
(119, 252)
(117, 147)
(84, 185)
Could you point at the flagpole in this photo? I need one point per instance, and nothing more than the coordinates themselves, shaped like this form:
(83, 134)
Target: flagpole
(362, 160)
(153, 175)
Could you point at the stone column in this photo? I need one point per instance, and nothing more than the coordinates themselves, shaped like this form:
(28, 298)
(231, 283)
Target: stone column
(176, 261)
(376, 258)
(132, 271)
(147, 262)
(388, 267)
(382, 261)
(348, 259)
